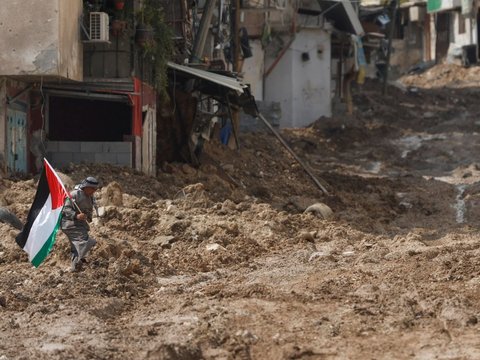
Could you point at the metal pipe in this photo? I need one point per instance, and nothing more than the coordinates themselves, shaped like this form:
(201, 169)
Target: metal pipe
(302, 164)
(277, 59)
(201, 35)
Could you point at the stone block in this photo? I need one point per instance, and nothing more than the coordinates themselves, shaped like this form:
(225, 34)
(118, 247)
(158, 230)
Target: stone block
(117, 147)
(124, 159)
(91, 146)
(83, 157)
(106, 158)
(68, 146)
(51, 146)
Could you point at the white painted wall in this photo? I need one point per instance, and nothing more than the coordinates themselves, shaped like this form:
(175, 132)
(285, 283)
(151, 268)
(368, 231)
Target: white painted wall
(302, 87)
(253, 69)
(433, 37)
(470, 35)
(41, 38)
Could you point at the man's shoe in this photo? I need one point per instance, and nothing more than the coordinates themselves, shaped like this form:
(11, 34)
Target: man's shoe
(76, 265)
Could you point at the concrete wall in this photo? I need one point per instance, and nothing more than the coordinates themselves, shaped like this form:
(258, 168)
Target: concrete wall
(109, 60)
(279, 87)
(408, 51)
(302, 86)
(253, 69)
(62, 153)
(41, 38)
(458, 40)
(71, 49)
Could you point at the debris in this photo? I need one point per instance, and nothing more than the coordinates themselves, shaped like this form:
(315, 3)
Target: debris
(6, 216)
(307, 236)
(214, 247)
(165, 241)
(316, 255)
(112, 194)
(321, 210)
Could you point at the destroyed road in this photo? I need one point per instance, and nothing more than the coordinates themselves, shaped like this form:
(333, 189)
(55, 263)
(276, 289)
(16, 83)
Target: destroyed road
(222, 262)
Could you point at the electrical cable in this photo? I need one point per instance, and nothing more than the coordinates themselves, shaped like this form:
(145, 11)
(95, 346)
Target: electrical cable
(42, 129)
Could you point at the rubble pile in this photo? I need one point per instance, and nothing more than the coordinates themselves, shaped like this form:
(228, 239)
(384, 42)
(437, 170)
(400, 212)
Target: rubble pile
(245, 258)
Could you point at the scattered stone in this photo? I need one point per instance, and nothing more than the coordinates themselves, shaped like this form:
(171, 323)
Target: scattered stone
(6, 216)
(405, 204)
(247, 335)
(193, 188)
(214, 247)
(164, 241)
(3, 301)
(320, 209)
(112, 194)
(152, 332)
(188, 170)
(175, 352)
(307, 236)
(180, 215)
(228, 205)
(348, 253)
(101, 211)
(316, 255)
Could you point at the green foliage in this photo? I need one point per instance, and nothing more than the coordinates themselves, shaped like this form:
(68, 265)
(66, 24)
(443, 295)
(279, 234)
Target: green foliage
(160, 50)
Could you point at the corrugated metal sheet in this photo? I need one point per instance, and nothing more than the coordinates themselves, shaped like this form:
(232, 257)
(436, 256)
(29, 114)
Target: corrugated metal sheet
(100, 85)
(226, 81)
(343, 15)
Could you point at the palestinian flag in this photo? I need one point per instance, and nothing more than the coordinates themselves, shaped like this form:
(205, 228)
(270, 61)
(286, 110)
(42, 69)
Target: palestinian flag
(43, 220)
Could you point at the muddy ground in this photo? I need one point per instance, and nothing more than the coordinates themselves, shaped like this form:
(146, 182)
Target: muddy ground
(222, 262)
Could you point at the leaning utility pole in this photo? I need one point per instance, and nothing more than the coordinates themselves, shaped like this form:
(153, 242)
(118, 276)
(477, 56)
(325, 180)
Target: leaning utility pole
(235, 115)
(201, 35)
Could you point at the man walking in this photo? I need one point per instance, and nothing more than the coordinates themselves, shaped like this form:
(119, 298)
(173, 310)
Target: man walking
(77, 213)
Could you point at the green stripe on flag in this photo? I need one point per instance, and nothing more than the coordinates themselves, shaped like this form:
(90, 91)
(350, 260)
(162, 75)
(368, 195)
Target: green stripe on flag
(45, 250)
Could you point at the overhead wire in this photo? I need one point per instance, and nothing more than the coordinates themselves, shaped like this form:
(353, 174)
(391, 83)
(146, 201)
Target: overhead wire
(42, 114)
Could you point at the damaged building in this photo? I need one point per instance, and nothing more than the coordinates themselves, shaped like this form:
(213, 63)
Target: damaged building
(98, 81)
(71, 88)
(422, 33)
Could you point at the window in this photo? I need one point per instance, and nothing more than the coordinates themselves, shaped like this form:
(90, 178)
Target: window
(461, 24)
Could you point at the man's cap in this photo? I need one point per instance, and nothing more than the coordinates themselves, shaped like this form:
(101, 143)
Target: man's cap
(89, 182)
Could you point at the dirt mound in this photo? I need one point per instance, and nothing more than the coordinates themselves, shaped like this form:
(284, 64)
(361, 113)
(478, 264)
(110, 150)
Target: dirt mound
(445, 75)
(222, 261)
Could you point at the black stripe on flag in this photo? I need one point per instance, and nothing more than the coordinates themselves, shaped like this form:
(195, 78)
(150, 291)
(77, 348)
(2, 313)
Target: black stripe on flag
(43, 191)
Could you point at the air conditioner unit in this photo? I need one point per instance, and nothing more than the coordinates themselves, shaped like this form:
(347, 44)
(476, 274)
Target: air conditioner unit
(99, 27)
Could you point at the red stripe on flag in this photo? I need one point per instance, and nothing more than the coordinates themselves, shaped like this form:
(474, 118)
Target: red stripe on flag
(57, 190)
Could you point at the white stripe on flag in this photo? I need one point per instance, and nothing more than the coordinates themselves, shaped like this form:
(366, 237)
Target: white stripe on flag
(42, 228)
